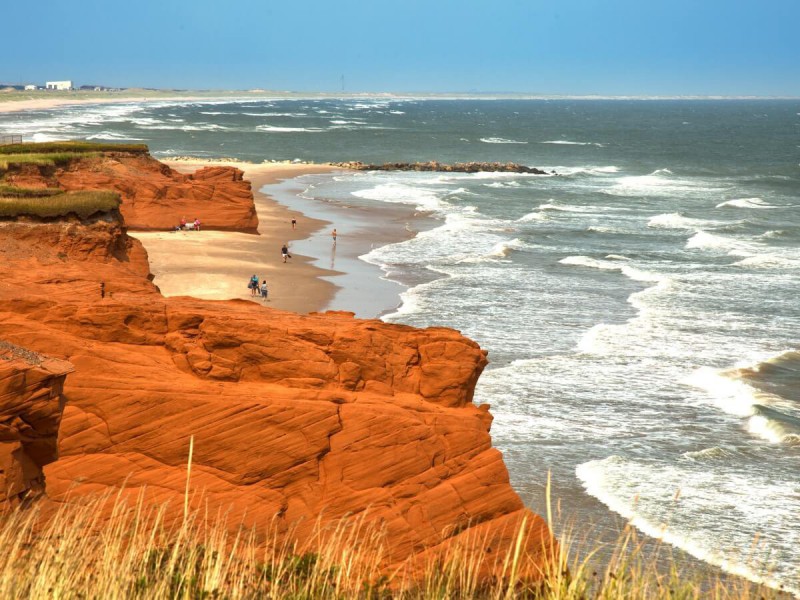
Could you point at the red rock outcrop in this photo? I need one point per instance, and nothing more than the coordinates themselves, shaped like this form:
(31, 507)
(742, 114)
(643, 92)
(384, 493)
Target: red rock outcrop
(295, 418)
(153, 195)
(31, 403)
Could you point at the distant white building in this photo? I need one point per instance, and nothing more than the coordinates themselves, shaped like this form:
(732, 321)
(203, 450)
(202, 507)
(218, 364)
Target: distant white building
(30, 87)
(58, 85)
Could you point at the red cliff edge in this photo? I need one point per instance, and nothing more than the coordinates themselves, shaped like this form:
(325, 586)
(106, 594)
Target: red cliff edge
(154, 196)
(295, 418)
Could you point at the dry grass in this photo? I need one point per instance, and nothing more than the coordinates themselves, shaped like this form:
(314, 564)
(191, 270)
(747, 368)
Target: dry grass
(108, 548)
(83, 204)
(42, 159)
(13, 191)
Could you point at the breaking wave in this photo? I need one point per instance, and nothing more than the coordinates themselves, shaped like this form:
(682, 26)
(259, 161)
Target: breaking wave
(499, 140)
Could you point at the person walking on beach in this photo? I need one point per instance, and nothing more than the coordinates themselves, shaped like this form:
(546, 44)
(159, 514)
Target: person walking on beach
(285, 251)
(197, 224)
(294, 223)
(333, 235)
(253, 285)
(264, 291)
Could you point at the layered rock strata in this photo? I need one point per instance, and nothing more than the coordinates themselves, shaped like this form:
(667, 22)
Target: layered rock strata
(154, 196)
(31, 403)
(296, 419)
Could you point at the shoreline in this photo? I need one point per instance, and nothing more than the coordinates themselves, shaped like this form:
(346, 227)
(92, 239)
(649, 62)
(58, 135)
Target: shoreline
(320, 276)
(13, 105)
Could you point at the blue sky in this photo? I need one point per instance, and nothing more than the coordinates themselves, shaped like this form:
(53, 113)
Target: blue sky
(609, 47)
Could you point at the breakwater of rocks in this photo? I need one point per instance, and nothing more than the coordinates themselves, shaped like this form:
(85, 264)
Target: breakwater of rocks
(467, 167)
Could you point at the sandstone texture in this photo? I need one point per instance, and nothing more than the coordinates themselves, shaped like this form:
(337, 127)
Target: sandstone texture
(295, 418)
(31, 403)
(154, 196)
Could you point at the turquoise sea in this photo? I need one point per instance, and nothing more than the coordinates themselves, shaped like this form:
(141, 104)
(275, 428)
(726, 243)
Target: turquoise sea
(639, 308)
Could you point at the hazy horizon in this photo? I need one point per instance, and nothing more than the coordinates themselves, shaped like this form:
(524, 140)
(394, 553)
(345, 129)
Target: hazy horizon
(576, 48)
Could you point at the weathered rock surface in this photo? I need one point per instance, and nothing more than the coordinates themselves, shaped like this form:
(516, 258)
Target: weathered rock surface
(31, 404)
(468, 167)
(295, 418)
(153, 195)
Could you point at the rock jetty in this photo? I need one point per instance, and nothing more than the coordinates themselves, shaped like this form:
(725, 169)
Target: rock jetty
(467, 167)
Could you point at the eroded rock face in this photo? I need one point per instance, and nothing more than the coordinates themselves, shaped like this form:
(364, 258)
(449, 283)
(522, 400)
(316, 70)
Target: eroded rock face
(295, 418)
(31, 403)
(153, 195)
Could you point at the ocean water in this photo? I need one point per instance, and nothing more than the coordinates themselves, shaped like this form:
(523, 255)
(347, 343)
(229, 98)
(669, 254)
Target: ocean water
(640, 307)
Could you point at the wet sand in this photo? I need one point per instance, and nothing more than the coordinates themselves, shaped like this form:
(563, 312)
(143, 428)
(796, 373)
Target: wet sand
(320, 275)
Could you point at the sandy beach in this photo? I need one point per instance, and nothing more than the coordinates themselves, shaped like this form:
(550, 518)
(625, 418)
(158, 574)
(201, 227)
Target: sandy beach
(216, 265)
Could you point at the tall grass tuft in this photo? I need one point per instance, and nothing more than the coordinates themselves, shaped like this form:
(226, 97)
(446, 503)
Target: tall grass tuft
(111, 547)
(83, 204)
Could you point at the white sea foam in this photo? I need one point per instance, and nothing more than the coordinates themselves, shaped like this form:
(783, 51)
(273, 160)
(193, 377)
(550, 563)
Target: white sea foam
(628, 271)
(569, 143)
(654, 504)
(499, 140)
(110, 135)
(568, 208)
(702, 240)
(661, 182)
(713, 453)
(274, 114)
(396, 112)
(503, 249)
(534, 216)
(745, 203)
(673, 221)
(275, 129)
(767, 261)
(502, 184)
(584, 170)
(596, 341)
(422, 198)
(731, 395)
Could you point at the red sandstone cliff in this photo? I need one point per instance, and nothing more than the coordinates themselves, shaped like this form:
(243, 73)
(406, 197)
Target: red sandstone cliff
(31, 404)
(294, 417)
(153, 195)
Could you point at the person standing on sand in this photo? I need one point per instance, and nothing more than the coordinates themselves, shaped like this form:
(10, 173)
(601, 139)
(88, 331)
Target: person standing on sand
(253, 285)
(294, 223)
(197, 224)
(264, 291)
(183, 222)
(333, 235)
(285, 251)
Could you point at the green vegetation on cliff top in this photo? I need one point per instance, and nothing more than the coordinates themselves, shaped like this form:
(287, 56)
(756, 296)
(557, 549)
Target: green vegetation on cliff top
(73, 147)
(83, 204)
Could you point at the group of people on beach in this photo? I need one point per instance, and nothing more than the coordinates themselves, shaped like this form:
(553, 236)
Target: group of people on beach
(253, 284)
(188, 225)
(256, 288)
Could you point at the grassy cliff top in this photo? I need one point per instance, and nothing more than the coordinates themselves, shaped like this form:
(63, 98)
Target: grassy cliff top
(83, 204)
(74, 147)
